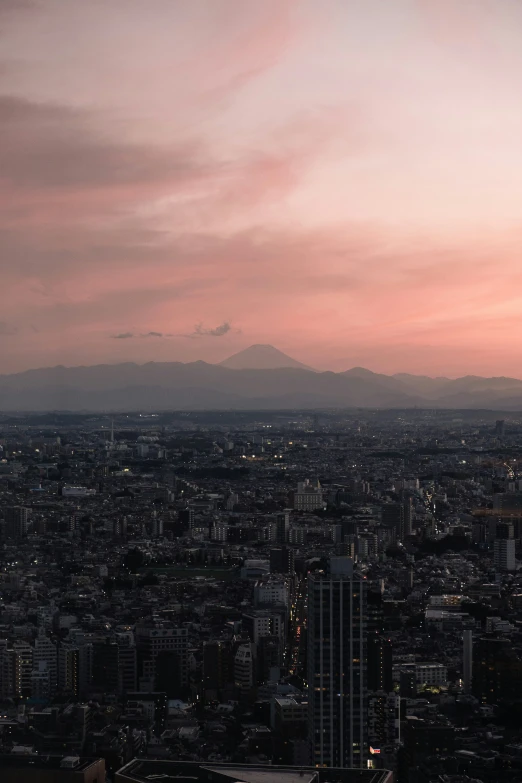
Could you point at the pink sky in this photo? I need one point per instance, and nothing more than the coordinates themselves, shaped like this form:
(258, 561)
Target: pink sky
(342, 179)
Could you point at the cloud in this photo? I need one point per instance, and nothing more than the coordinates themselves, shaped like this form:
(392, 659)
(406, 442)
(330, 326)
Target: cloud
(131, 335)
(7, 330)
(55, 147)
(199, 331)
(218, 331)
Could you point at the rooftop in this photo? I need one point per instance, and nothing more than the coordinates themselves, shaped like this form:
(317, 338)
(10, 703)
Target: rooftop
(144, 771)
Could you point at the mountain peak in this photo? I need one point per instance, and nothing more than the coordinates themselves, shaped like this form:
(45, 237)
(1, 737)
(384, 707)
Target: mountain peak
(262, 357)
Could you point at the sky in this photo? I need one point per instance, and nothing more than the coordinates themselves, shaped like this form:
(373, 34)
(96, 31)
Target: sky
(180, 179)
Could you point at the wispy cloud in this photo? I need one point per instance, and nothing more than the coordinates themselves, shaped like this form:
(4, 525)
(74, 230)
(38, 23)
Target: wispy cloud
(200, 331)
(131, 335)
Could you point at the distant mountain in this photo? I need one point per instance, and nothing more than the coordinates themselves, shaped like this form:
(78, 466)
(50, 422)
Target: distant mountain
(261, 357)
(422, 384)
(202, 386)
(386, 381)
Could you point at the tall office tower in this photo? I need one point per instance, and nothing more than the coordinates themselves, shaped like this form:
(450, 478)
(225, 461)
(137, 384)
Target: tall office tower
(269, 658)
(406, 517)
(168, 678)
(154, 637)
(505, 530)
(16, 668)
(157, 527)
(16, 521)
(106, 666)
(127, 661)
(384, 724)
(218, 668)
(282, 561)
(380, 677)
(69, 669)
(504, 554)
(500, 428)
(399, 516)
(40, 682)
(46, 654)
(75, 669)
(467, 659)
(337, 723)
(497, 670)
(245, 665)
(186, 518)
(279, 527)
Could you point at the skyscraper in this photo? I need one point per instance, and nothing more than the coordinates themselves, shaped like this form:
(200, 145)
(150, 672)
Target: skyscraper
(379, 663)
(337, 666)
(497, 670)
(406, 517)
(399, 515)
(16, 521)
(504, 554)
(282, 561)
(467, 659)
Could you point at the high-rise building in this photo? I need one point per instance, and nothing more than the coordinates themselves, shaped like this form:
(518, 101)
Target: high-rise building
(384, 724)
(282, 561)
(265, 622)
(308, 496)
(500, 428)
(153, 638)
(245, 665)
(337, 666)
(16, 521)
(16, 668)
(497, 670)
(217, 664)
(399, 516)
(279, 527)
(105, 666)
(504, 554)
(45, 653)
(406, 517)
(380, 677)
(269, 657)
(168, 678)
(297, 535)
(127, 661)
(75, 669)
(40, 682)
(69, 669)
(273, 590)
(467, 659)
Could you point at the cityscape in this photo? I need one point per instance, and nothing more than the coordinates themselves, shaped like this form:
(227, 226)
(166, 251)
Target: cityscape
(339, 593)
(260, 391)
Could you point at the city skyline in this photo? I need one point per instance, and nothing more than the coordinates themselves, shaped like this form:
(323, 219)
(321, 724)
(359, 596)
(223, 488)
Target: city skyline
(180, 181)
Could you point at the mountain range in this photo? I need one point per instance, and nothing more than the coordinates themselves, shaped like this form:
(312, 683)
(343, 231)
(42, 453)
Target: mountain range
(259, 377)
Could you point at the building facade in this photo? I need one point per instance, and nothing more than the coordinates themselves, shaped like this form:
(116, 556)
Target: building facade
(337, 628)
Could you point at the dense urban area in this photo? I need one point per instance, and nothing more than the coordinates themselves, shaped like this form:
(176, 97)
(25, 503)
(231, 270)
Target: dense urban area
(336, 593)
